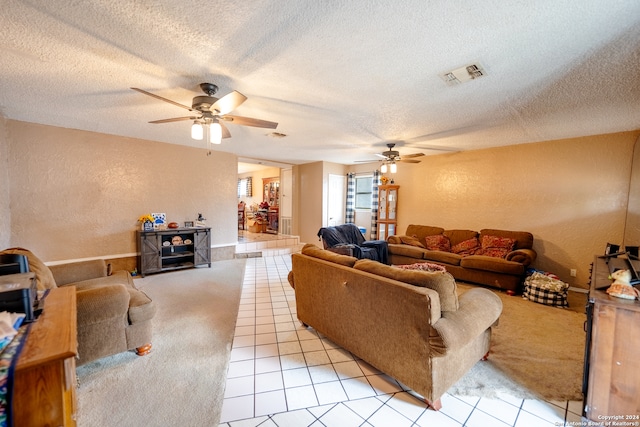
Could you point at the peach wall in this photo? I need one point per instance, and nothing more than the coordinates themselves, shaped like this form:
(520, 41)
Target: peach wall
(5, 209)
(571, 194)
(77, 194)
(308, 198)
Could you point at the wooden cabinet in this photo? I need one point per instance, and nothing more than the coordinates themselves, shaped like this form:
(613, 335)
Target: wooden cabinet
(387, 210)
(271, 191)
(612, 362)
(44, 392)
(173, 249)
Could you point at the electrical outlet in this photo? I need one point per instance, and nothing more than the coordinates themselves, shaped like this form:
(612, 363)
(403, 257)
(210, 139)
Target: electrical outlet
(573, 272)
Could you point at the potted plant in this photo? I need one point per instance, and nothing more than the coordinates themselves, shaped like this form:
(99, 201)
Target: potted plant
(147, 222)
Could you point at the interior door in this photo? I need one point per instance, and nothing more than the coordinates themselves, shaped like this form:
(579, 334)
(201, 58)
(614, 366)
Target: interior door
(336, 199)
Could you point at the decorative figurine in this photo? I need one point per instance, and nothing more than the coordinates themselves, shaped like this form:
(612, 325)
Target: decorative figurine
(621, 286)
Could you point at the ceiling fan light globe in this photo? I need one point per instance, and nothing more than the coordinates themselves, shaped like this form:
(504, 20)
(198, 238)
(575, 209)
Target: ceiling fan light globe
(197, 131)
(215, 133)
(383, 168)
(393, 168)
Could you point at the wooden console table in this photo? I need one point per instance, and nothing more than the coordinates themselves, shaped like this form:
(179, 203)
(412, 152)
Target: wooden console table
(44, 392)
(612, 366)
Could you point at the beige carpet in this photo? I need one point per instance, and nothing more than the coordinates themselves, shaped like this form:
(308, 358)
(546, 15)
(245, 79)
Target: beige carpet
(537, 352)
(181, 383)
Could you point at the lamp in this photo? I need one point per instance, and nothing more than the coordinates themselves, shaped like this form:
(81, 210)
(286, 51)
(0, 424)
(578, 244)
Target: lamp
(215, 133)
(197, 132)
(383, 168)
(393, 168)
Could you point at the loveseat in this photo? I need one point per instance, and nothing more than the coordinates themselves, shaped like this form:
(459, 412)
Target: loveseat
(409, 324)
(491, 257)
(113, 315)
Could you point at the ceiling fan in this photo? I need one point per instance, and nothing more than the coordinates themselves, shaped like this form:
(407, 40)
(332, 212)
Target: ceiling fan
(211, 113)
(391, 157)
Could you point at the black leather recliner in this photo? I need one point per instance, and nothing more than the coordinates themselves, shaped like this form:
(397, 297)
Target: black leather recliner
(346, 239)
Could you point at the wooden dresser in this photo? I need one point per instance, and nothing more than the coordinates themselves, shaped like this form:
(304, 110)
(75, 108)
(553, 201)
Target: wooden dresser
(44, 391)
(612, 355)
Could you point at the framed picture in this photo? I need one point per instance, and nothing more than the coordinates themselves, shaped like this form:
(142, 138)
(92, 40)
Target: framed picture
(188, 223)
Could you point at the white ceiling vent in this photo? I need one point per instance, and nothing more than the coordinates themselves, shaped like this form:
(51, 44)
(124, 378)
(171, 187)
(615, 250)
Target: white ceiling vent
(463, 74)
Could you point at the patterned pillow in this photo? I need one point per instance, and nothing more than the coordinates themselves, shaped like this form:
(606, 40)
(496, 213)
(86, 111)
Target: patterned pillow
(411, 240)
(495, 246)
(423, 266)
(438, 242)
(466, 247)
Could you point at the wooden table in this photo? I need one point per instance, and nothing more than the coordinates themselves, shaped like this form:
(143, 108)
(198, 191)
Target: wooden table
(612, 358)
(44, 391)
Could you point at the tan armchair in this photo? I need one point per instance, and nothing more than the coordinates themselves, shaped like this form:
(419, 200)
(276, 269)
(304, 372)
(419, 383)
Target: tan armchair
(113, 316)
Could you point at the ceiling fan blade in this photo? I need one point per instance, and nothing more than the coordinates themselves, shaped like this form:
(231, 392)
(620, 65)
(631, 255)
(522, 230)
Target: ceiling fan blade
(225, 131)
(248, 121)
(161, 98)
(381, 155)
(412, 155)
(175, 119)
(408, 161)
(228, 103)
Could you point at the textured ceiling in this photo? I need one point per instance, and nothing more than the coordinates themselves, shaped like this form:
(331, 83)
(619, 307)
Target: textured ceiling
(341, 77)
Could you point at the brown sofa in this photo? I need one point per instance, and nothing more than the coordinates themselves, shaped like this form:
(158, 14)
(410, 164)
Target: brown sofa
(113, 315)
(503, 272)
(409, 324)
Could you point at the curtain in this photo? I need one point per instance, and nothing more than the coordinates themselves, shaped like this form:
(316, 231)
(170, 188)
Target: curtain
(350, 210)
(374, 205)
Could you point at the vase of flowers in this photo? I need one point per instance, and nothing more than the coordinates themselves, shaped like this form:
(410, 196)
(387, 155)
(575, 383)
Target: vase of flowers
(147, 222)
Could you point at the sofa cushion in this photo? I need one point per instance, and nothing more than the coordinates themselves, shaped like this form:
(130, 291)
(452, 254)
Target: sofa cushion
(406, 250)
(422, 231)
(466, 247)
(441, 256)
(495, 246)
(314, 251)
(411, 241)
(438, 242)
(44, 277)
(441, 282)
(487, 263)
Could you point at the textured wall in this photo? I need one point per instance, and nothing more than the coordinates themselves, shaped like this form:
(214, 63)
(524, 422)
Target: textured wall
(571, 194)
(308, 197)
(632, 226)
(77, 194)
(5, 209)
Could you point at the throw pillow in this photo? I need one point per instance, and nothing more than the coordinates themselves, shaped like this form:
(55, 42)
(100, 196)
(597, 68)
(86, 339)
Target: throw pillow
(495, 246)
(438, 242)
(423, 266)
(411, 240)
(441, 282)
(466, 247)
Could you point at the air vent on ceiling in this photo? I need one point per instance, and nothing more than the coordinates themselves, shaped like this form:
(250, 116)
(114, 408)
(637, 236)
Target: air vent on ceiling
(463, 74)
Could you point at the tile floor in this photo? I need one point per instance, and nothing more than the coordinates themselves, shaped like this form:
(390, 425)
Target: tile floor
(281, 374)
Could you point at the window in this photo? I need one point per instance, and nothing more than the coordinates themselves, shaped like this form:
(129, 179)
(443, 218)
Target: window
(245, 187)
(363, 192)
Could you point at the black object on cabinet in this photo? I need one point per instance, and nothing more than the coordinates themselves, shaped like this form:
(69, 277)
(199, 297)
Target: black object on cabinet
(173, 249)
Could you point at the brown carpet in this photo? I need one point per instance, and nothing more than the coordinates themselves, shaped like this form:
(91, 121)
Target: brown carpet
(181, 382)
(537, 352)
